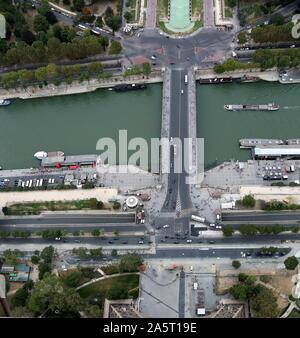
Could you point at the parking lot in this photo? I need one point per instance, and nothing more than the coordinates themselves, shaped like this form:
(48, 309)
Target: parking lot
(37, 181)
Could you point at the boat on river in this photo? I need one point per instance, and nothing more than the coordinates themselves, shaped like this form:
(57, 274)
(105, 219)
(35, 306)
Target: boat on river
(252, 107)
(4, 102)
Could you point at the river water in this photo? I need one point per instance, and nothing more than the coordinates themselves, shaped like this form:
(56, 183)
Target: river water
(74, 123)
(222, 129)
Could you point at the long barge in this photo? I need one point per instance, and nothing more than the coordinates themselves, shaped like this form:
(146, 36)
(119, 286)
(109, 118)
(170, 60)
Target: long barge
(254, 142)
(127, 87)
(251, 107)
(216, 80)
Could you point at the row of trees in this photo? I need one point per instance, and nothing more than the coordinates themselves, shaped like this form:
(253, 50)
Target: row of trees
(231, 65)
(144, 69)
(251, 230)
(79, 47)
(278, 205)
(273, 33)
(277, 58)
(262, 300)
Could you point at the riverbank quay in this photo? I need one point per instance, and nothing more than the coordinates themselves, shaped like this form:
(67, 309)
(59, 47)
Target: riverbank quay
(78, 87)
(269, 75)
(101, 194)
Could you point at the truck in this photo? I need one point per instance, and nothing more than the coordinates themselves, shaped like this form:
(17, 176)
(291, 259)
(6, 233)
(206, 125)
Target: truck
(198, 218)
(185, 79)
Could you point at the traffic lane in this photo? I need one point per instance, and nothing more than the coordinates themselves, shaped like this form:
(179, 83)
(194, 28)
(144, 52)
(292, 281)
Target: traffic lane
(261, 216)
(100, 241)
(166, 238)
(67, 220)
(205, 253)
(76, 227)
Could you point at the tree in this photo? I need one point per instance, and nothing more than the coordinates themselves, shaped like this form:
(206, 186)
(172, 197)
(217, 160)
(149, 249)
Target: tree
(95, 232)
(264, 304)
(25, 76)
(73, 278)
(47, 254)
(114, 22)
(41, 73)
(114, 253)
(40, 23)
(248, 201)
(146, 68)
(94, 68)
(130, 262)
(236, 264)
(128, 16)
(117, 292)
(242, 38)
(277, 19)
(44, 268)
(44, 7)
(35, 259)
(248, 229)
(96, 252)
(92, 311)
(115, 47)
(227, 230)
(51, 71)
(51, 294)
(291, 263)
(78, 5)
(22, 312)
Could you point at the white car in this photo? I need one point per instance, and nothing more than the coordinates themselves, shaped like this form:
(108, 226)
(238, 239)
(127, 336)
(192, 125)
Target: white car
(166, 226)
(181, 91)
(292, 46)
(189, 241)
(212, 225)
(57, 238)
(153, 57)
(141, 242)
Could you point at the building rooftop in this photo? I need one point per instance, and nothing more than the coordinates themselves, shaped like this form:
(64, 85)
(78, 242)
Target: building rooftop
(275, 150)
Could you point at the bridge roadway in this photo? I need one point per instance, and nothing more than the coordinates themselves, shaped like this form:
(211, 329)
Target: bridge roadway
(177, 205)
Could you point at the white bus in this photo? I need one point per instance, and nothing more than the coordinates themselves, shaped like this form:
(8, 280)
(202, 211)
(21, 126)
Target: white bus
(198, 218)
(185, 79)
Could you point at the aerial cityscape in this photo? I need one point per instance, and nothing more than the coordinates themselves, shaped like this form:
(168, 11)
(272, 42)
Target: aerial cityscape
(149, 159)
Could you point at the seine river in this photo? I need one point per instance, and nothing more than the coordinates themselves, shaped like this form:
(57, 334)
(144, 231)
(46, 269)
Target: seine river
(74, 123)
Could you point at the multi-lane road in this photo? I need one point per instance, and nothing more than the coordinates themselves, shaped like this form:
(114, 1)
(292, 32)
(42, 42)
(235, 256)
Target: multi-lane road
(263, 217)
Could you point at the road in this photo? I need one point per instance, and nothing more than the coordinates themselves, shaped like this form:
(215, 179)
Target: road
(65, 219)
(248, 217)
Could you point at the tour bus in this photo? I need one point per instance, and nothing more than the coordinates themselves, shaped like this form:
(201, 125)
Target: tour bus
(198, 218)
(185, 79)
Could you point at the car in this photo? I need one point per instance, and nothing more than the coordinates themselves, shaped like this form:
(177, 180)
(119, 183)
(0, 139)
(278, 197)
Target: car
(141, 242)
(292, 46)
(219, 227)
(170, 190)
(153, 64)
(189, 241)
(166, 236)
(166, 226)
(212, 225)
(57, 238)
(77, 241)
(176, 242)
(162, 240)
(153, 57)
(181, 91)
(150, 242)
(200, 242)
(124, 242)
(211, 242)
(172, 63)
(158, 227)
(110, 242)
(116, 238)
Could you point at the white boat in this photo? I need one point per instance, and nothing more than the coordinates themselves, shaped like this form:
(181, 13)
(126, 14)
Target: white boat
(40, 155)
(4, 102)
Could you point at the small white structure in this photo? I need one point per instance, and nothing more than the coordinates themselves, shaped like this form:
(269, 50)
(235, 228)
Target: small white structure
(132, 202)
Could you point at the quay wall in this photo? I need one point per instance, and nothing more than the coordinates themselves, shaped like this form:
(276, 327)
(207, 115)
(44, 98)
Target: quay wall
(76, 87)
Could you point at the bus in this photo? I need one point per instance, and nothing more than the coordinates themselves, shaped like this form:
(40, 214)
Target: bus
(185, 79)
(198, 218)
